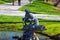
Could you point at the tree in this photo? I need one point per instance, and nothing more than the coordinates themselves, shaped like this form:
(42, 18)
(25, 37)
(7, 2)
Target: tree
(19, 2)
(12, 2)
(46, 0)
(57, 3)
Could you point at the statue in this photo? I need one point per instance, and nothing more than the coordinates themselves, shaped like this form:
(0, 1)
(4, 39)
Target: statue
(31, 24)
(29, 29)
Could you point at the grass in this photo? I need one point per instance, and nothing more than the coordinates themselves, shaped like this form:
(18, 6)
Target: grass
(41, 8)
(11, 27)
(5, 1)
(2, 2)
(10, 19)
(53, 27)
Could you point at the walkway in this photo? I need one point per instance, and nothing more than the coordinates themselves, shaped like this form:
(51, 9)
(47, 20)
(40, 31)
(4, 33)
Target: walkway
(8, 9)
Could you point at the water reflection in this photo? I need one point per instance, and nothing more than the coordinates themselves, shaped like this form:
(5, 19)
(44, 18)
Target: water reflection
(5, 35)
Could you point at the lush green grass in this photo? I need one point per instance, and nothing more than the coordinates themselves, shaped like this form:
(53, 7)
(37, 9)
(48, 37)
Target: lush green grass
(5, 1)
(12, 26)
(10, 19)
(2, 2)
(53, 27)
(41, 8)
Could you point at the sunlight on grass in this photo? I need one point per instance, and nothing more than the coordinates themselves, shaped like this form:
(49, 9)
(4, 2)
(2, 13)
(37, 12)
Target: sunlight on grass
(2, 2)
(41, 8)
(10, 19)
(53, 28)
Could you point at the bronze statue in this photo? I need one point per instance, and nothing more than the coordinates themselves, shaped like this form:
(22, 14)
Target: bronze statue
(31, 24)
(29, 29)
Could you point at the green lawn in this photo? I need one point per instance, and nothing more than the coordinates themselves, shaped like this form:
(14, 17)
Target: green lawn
(5, 1)
(53, 27)
(2, 2)
(41, 8)
(16, 26)
(10, 19)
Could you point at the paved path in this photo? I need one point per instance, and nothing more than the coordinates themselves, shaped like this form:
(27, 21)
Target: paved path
(20, 13)
(8, 9)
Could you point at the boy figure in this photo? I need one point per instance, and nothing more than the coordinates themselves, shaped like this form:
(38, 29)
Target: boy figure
(29, 29)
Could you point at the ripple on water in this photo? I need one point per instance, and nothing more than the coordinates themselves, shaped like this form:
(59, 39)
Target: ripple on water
(4, 35)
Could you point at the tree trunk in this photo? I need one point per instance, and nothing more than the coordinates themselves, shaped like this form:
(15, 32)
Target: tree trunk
(46, 0)
(19, 2)
(12, 2)
(57, 3)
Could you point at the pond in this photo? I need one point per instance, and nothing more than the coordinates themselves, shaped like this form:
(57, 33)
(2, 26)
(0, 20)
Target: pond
(7, 35)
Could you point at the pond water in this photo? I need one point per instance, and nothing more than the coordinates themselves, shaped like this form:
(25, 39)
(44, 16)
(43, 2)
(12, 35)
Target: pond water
(7, 35)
